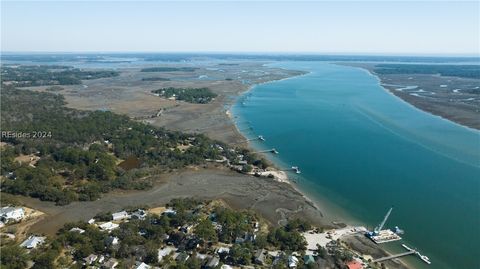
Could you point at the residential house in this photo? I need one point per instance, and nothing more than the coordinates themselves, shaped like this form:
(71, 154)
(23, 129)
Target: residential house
(292, 261)
(33, 242)
(260, 256)
(110, 264)
(165, 251)
(142, 266)
(354, 265)
(108, 226)
(223, 250)
(90, 259)
(212, 262)
(112, 241)
(77, 230)
(139, 214)
(120, 215)
(169, 211)
(11, 214)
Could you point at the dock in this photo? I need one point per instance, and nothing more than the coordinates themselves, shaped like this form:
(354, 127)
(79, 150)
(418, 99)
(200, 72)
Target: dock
(394, 256)
(274, 151)
(293, 168)
(250, 139)
(410, 251)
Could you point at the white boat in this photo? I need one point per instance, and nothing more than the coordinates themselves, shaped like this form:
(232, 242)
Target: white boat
(424, 258)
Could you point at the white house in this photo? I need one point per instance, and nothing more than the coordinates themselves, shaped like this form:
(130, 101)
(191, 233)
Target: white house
(33, 242)
(112, 241)
(90, 259)
(292, 261)
(77, 230)
(143, 266)
(169, 211)
(163, 252)
(101, 259)
(108, 226)
(225, 250)
(12, 213)
(120, 215)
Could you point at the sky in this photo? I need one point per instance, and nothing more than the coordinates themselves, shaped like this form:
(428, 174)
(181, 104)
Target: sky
(358, 27)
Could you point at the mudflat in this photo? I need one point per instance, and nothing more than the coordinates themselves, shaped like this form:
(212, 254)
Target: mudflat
(273, 200)
(131, 94)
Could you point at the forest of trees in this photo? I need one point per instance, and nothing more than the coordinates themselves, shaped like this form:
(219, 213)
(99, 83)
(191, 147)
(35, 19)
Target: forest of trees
(78, 158)
(41, 75)
(191, 95)
(465, 71)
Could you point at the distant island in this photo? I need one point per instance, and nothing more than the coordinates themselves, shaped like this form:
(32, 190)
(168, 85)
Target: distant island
(448, 90)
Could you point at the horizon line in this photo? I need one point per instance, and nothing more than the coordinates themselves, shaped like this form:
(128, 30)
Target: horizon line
(306, 53)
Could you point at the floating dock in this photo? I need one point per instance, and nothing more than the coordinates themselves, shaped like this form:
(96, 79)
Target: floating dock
(379, 236)
(384, 236)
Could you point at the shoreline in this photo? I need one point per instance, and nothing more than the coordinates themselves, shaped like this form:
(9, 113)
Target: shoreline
(390, 91)
(338, 220)
(284, 176)
(343, 222)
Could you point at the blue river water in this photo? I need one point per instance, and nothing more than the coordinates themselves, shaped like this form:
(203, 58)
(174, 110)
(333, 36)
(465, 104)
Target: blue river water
(364, 150)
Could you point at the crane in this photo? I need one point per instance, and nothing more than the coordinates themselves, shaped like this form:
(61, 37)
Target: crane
(380, 227)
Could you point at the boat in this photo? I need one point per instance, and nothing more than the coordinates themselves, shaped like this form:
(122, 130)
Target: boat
(424, 258)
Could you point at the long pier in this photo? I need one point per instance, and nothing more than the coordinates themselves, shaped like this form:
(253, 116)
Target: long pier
(250, 139)
(293, 168)
(274, 151)
(394, 256)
